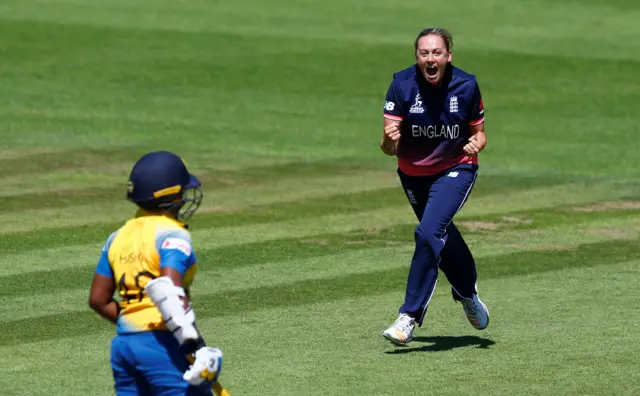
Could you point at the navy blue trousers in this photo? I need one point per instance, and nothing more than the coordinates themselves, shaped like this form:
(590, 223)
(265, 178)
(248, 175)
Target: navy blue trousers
(436, 200)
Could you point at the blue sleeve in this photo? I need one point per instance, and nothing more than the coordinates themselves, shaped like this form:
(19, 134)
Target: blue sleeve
(393, 108)
(477, 108)
(175, 250)
(104, 267)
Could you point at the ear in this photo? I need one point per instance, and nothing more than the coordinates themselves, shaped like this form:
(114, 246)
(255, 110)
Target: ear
(450, 57)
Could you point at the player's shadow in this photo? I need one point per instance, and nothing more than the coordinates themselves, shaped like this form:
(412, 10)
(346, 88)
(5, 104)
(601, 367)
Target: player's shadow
(445, 343)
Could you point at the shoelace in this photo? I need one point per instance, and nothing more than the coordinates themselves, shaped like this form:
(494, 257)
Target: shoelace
(404, 323)
(470, 307)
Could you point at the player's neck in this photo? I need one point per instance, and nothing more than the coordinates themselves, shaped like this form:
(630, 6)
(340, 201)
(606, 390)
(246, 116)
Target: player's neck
(148, 213)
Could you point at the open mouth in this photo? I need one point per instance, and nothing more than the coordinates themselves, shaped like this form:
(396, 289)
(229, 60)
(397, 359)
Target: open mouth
(432, 71)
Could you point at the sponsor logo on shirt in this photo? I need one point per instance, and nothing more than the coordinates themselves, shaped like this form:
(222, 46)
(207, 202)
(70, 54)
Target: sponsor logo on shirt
(178, 244)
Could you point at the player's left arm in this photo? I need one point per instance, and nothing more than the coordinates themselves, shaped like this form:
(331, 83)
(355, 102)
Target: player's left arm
(168, 292)
(169, 296)
(477, 136)
(102, 289)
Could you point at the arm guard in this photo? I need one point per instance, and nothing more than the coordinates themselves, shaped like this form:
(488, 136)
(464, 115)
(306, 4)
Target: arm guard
(166, 296)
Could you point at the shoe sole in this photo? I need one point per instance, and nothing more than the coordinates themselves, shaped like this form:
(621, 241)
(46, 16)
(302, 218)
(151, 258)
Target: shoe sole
(396, 341)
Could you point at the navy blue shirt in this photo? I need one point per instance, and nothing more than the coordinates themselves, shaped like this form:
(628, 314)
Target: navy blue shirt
(435, 120)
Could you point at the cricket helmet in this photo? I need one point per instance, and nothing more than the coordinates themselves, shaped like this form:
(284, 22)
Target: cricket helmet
(160, 181)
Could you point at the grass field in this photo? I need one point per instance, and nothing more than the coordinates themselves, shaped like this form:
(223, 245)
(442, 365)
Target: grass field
(305, 236)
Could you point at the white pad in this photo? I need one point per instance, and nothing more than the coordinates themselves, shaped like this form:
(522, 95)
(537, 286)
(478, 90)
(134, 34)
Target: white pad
(166, 297)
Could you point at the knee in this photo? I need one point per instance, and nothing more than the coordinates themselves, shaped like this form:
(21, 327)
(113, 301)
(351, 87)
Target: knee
(429, 236)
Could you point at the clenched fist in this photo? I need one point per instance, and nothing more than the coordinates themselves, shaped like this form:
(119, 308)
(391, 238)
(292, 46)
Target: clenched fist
(475, 144)
(392, 133)
(389, 143)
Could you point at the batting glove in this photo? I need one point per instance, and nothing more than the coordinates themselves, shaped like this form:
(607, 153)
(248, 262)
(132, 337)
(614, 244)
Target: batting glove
(205, 368)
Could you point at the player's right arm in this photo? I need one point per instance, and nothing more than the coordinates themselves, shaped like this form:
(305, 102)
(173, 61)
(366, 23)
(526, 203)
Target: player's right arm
(103, 286)
(390, 137)
(393, 116)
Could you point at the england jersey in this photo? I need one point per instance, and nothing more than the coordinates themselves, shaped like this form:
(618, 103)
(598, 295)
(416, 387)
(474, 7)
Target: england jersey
(435, 120)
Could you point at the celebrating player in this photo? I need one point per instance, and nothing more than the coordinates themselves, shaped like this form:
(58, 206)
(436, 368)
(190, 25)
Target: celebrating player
(157, 349)
(434, 125)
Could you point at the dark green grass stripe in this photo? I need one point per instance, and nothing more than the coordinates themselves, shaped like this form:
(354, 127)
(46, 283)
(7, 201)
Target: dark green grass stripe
(78, 159)
(327, 289)
(212, 179)
(336, 204)
(99, 159)
(315, 207)
(61, 198)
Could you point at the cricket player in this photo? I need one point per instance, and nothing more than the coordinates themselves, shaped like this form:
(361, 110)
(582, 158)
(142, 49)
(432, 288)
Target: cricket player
(434, 125)
(150, 262)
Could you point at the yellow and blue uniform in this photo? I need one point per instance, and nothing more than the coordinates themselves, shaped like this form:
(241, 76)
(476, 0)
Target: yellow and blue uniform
(145, 357)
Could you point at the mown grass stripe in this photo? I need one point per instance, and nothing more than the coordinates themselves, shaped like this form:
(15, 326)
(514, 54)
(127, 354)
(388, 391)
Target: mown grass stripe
(232, 256)
(14, 307)
(327, 289)
(337, 204)
(236, 275)
(212, 179)
(313, 207)
(215, 180)
(234, 198)
(243, 197)
(80, 159)
(596, 212)
(340, 204)
(250, 253)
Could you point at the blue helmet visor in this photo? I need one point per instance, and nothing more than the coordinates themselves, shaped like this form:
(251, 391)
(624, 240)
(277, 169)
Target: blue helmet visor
(193, 183)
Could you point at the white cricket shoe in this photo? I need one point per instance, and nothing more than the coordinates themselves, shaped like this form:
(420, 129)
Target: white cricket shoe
(401, 331)
(476, 312)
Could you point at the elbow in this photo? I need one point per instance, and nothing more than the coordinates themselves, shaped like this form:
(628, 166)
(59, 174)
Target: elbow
(95, 303)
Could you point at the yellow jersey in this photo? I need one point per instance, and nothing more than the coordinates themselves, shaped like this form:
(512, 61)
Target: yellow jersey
(133, 255)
